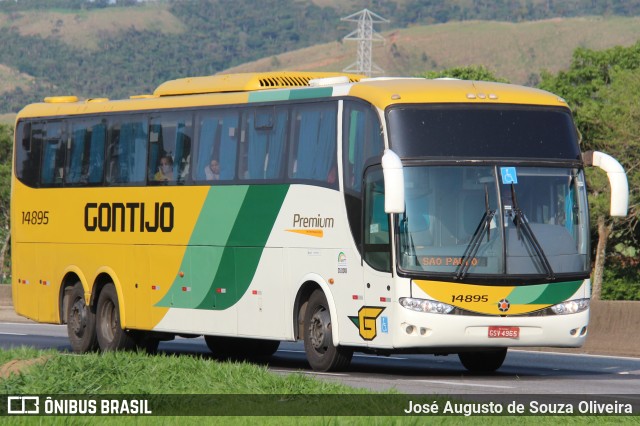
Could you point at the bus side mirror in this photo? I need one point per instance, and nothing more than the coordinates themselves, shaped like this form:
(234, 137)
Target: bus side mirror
(393, 182)
(617, 180)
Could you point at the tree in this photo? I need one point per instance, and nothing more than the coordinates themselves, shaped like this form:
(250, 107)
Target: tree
(602, 88)
(6, 144)
(473, 72)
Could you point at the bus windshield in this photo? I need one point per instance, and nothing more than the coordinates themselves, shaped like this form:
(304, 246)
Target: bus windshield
(491, 220)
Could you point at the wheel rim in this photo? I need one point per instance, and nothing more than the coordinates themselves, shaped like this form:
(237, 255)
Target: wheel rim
(109, 320)
(319, 330)
(78, 317)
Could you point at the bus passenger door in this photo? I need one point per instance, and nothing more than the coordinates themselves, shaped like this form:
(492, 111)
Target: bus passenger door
(376, 248)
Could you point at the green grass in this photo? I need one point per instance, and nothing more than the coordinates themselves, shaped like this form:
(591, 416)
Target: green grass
(111, 373)
(203, 377)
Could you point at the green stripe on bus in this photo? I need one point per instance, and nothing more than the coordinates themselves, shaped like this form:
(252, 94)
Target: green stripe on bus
(269, 95)
(557, 292)
(317, 92)
(287, 94)
(226, 246)
(526, 294)
(246, 243)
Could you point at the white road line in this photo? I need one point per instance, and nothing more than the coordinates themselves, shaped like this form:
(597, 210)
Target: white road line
(13, 334)
(378, 356)
(355, 356)
(308, 373)
(575, 354)
(443, 382)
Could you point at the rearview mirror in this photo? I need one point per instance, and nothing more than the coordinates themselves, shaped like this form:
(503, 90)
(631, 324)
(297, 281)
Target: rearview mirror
(617, 180)
(393, 182)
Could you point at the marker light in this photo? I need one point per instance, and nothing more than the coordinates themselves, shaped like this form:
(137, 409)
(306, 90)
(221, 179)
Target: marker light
(571, 307)
(424, 305)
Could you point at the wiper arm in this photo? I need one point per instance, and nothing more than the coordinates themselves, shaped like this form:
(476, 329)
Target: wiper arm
(476, 239)
(523, 227)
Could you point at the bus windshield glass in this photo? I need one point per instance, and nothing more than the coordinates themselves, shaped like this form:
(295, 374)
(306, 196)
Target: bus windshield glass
(482, 131)
(465, 221)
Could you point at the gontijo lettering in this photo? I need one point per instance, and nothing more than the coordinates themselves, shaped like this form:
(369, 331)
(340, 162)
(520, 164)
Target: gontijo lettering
(128, 217)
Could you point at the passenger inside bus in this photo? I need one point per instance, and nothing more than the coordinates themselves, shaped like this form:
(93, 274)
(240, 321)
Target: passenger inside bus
(212, 170)
(165, 171)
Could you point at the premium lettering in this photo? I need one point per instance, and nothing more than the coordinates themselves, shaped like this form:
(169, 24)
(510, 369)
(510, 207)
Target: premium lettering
(129, 217)
(312, 222)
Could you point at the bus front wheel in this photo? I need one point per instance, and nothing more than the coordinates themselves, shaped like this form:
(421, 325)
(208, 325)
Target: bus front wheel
(81, 322)
(483, 361)
(111, 336)
(318, 338)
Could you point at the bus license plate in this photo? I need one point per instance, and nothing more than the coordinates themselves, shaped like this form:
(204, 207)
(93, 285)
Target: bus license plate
(505, 332)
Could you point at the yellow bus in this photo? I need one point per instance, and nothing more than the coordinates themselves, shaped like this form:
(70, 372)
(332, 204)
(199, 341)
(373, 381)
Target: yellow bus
(378, 215)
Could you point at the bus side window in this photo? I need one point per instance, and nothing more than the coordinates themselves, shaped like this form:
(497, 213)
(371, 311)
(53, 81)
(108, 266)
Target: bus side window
(95, 166)
(170, 137)
(218, 142)
(313, 151)
(53, 153)
(182, 156)
(263, 149)
(127, 153)
(85, 153)
(29, 152)
(362, 140)
(377, 248)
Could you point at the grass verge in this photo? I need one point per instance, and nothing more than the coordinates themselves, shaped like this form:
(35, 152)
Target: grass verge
(235, 383)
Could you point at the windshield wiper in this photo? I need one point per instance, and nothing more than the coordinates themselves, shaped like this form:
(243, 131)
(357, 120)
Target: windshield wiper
(474, 245)
(523, 227)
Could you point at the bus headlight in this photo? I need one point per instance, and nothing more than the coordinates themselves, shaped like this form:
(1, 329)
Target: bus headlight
(570, 307)
(424, 305)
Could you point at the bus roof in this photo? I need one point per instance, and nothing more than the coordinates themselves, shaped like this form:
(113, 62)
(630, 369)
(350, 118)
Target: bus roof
(383, 92)
(274, 86)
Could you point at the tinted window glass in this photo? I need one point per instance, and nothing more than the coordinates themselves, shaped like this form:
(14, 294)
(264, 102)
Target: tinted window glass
(482, 131)
(53, 154)
(362, 138)
(170, 137)
(313, 150)
(263, 145)
(218, 145)
(127, 150)
(28, 149)
(85, 153)
(377, 249)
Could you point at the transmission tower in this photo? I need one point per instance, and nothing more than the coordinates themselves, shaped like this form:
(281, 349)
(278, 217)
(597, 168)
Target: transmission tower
(365, 36)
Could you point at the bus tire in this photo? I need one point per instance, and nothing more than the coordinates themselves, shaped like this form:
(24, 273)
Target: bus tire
(111, 336)
(322, 355)
(240, 348)
(483, 361)
(81, 322)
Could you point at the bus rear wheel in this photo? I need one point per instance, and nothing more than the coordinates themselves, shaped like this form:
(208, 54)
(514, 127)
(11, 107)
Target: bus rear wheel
(240, 348)
(322, 355)
(483, 361)
(81, 322)
(111, 336)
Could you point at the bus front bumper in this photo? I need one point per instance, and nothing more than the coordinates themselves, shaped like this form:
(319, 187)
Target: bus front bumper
(422, 330)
